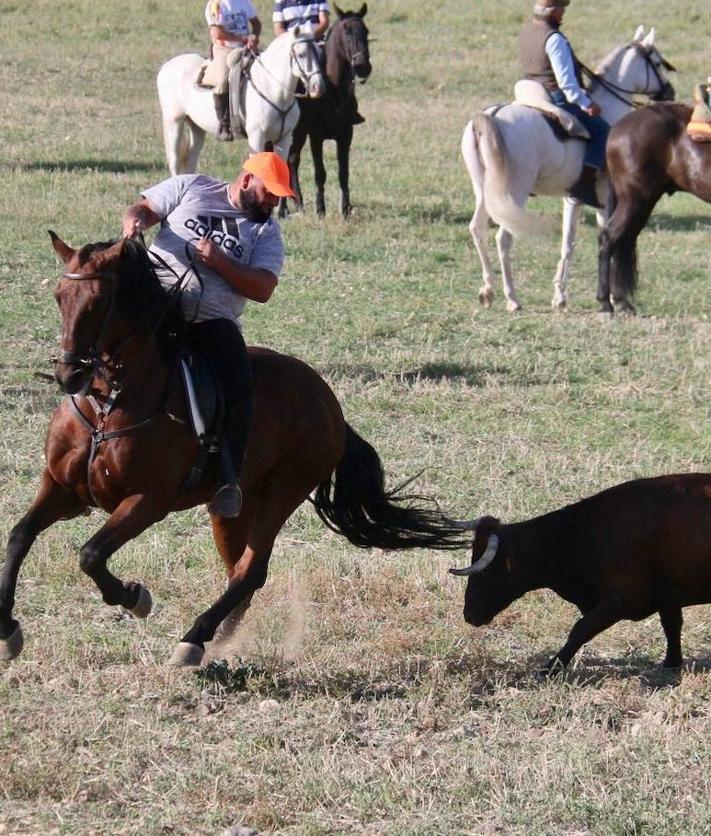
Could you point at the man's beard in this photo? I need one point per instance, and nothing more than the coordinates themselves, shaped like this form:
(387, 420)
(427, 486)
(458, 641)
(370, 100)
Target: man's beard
(252, 208)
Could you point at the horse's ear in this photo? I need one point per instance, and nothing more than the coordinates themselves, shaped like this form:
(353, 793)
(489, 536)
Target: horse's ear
(639, 33)
(107, 257)
(296, 30)
(337, 10)
(64, 251)
(649, 40)
(363, 10)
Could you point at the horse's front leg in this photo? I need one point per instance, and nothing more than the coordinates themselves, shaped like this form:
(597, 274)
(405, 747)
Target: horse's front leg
(51, 504)
(343, 150)
(133, 516)
(604, 255)
(316, 143)
(571, 212)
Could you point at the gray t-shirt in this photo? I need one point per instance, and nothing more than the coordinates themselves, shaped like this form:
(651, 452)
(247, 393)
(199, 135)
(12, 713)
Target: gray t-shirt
(194, 206)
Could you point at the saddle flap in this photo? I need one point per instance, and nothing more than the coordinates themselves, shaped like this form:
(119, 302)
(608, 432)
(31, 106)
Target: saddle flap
(532, 94)
(239, 61)
(201, 394)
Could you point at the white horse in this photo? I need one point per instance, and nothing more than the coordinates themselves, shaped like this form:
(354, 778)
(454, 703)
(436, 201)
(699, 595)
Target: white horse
(271, 109)
(514, 153)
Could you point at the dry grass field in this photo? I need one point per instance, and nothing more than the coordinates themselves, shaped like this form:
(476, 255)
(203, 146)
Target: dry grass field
(355, 699)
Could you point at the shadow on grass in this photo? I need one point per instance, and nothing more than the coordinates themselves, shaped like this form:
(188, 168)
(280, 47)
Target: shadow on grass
(663, 222)
(436, 372)
(104, 166)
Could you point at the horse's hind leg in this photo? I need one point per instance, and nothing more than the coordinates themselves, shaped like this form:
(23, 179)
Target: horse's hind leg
(133, 516)
(478, 227)
(193, 140)
(285, 488)
(51, 504)
(173, 141)
(571, 211)
(504, 245)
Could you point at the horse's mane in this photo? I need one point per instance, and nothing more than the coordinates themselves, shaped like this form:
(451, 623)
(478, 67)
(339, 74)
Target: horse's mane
(609, 60)
(140, 296)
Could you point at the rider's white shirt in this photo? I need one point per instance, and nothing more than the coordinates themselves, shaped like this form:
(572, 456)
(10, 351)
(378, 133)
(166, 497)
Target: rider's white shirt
(561, 58)
(232, 15)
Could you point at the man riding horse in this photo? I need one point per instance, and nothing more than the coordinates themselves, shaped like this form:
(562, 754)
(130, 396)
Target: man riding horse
(229, 22)
(547, 57)
(699, 128)
(220, 240)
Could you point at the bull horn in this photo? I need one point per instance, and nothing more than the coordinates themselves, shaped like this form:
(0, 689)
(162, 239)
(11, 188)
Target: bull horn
(481, 564)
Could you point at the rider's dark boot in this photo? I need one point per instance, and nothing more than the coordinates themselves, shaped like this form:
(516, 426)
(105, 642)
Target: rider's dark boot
(227, 502)
(222, 108)
(584, 190)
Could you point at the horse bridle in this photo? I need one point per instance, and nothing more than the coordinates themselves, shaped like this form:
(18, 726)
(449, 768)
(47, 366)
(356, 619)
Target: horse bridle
(619, 92)
(304, 74)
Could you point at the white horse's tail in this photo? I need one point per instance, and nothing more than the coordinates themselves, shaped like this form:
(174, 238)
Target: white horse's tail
(486, 144)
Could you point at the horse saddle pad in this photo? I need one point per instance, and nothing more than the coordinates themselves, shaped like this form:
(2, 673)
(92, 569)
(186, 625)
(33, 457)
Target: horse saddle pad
(203, 397)
(532, 94)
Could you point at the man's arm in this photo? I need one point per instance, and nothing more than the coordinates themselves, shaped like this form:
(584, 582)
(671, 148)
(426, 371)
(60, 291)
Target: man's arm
(220, 36)
(141, 215)
(321, 26)
(251, 282)
(561, 58)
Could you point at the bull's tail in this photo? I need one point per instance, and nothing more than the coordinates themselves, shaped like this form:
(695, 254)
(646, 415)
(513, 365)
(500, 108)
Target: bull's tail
(353, 502)
(488, 144)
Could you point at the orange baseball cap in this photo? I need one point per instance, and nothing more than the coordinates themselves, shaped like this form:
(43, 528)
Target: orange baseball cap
(272, 171)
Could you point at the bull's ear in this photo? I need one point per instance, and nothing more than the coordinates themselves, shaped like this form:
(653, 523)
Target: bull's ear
(363, 11)
(64, 251)
(107, 257)
(639, 34)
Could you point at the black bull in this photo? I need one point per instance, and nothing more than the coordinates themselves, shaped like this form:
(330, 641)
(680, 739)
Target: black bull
(628, 552)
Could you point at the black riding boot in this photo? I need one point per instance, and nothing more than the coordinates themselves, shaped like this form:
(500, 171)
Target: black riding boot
(584, 190)
(221, 341)
(222, 108)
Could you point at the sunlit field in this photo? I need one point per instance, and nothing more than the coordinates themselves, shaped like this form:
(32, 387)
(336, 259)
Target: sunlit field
(354, 698)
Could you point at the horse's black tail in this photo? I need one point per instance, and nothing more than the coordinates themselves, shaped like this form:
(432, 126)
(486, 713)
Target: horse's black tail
(353, 502)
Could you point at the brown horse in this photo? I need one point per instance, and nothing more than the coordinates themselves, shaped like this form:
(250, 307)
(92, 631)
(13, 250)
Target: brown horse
(121, 441)
(649, 154)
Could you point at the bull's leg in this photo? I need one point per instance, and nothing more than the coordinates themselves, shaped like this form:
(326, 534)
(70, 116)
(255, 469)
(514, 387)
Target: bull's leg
(133, 516)
(316, 144)
(51, 504)
(599, 618)
(343, 150)
(571, 212)
(672, 621)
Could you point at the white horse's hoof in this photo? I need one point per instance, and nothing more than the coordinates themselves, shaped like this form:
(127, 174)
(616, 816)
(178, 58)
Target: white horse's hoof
(11, 647)
(186, 655)
(512, 306)
(559, 305)
(144, 604)
(486, 297)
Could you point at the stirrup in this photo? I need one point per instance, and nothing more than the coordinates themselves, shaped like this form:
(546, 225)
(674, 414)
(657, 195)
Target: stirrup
(227, 502)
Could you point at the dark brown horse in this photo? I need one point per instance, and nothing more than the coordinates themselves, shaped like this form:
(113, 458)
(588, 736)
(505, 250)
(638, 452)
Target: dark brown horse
(121, 442)
(648, 155)
(347, 60)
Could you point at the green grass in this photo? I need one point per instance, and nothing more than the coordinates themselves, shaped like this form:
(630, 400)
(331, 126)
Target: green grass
(354, 698)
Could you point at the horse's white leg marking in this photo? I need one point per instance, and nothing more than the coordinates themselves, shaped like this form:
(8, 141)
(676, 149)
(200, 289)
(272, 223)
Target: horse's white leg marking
(478, 226)
(571, 213)
(504, 245)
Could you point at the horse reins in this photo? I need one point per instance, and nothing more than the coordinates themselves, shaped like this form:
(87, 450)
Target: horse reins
(616, 91)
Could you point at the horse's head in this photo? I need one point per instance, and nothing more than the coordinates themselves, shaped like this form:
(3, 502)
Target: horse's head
(640, 69)
(107, 294)
(304, 60)
(353, 40)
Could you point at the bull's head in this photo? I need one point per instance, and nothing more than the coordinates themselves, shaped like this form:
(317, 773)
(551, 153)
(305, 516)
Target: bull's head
(495, 579)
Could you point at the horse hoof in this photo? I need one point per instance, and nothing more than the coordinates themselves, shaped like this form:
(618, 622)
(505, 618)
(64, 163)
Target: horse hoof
(144, 604)
(11, 647)
(486, 297)
(186, 655)
(560, 305)
(512, 306)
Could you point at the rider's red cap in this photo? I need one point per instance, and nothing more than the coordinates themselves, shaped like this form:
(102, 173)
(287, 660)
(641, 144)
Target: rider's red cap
(272, 171)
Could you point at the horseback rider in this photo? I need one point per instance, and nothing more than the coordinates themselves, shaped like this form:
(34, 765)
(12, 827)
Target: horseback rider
(547, 57)
(229, 22)
(315, 16)
(225, 233)
(699, 127)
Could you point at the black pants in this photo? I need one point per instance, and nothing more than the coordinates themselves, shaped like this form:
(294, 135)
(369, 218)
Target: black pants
(221, 342)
